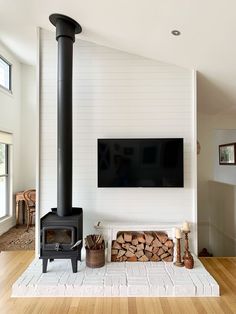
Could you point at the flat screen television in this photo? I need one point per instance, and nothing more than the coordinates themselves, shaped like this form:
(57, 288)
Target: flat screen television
(144, 162)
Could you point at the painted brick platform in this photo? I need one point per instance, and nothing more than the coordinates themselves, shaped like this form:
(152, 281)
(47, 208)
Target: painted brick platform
(124, 279)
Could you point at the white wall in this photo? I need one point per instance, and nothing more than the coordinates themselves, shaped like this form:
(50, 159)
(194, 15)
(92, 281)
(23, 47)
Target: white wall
(207, 126)
(117, 94)
(222, 224)
(28, 127)
(10, 121)
(18, 116)
(224, 173)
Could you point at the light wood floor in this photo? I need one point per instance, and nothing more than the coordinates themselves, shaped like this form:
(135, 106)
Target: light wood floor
(12, 264)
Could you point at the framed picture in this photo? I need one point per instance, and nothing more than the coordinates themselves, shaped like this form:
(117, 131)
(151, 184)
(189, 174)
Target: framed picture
(227, 154)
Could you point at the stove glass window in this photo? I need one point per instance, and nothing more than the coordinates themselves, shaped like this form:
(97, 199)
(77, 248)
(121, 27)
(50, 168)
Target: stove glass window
(62, 236)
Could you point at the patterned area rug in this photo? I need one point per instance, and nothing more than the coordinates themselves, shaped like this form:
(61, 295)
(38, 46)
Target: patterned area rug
(18, 239)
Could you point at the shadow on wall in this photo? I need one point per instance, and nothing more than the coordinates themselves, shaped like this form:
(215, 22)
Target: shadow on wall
(222, 219)
(216, 201)
(212, 98)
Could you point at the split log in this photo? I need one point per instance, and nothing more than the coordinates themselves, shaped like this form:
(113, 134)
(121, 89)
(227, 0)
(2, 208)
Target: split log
(165, 248)
(89, 242)
(98, 239)
(94, 242)
(164, 255)
(148, 254)
(134, 241)
(127, 237)
(141, 238)
(156, 243)
(139, 253)
(126, 246)
(148, 237)
(155, 250)
(155, 258)
(162, 236)
(114, 258)
(169, 243)
(132, 259)
(129, 254)
(143, 259)
(132, 248)
(148, 248)
(116, 245)
(140, 247)
(121, 253)
(168, 258)
(160, 251)
(120, 239)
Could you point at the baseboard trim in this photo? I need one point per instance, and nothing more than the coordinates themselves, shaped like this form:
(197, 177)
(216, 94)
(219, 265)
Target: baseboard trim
(7, 224)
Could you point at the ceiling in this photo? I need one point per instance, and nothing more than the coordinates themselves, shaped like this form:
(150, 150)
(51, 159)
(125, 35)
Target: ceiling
(207, 42)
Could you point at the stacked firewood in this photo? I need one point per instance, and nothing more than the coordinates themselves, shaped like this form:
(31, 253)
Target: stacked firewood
(94, 242)
(142, 246)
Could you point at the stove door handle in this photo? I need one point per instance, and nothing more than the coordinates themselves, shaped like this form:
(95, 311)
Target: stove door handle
(58, 247)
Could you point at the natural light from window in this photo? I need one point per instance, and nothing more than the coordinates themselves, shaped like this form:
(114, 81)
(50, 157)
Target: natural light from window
(5, 74)
(3, 180)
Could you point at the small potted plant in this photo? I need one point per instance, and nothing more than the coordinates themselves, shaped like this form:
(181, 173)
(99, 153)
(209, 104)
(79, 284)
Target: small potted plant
(95, 250)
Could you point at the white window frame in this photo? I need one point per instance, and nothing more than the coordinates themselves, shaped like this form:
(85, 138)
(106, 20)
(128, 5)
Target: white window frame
(9, 90)
(7, 139)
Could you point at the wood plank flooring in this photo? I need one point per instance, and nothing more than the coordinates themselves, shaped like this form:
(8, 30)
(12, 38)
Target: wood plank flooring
(12, 264)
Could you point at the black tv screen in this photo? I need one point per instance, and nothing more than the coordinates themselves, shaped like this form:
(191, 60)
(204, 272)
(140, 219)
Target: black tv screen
(154, 162)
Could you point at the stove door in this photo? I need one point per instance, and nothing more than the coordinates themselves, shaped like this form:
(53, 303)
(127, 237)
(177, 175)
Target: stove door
(58, 238)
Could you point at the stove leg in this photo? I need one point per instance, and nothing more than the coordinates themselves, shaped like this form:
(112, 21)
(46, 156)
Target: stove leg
(51, 259)
(79, 256)
(74, 264)
(45, 264)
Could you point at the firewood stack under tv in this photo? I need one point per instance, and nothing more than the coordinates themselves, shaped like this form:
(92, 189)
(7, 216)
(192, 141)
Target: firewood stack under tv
(142, 247)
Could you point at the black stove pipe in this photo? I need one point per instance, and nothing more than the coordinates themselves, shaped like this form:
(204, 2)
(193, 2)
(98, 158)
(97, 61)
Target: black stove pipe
(66, 28)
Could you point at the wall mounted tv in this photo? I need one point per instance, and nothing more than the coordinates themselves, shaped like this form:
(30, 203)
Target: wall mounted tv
(144, 162)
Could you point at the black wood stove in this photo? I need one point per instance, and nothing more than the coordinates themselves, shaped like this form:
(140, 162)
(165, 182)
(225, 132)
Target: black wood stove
(62, 228)
(59, 235)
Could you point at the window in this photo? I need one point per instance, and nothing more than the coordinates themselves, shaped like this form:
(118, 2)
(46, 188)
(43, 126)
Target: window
(5, 74)
(3, 180)
(5, 174)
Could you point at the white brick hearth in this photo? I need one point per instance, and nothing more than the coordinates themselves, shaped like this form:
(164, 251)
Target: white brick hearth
(150, 279)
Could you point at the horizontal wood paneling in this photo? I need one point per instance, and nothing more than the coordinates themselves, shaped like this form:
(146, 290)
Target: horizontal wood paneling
(117, 94)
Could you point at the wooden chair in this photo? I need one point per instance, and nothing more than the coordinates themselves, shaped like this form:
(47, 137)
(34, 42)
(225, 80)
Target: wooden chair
(30, 198)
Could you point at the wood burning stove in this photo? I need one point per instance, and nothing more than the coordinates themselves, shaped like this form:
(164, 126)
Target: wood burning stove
(62, 228)
(59, 235)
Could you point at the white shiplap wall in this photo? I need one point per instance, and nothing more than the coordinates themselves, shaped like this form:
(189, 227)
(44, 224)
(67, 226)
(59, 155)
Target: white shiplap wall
(117, 94)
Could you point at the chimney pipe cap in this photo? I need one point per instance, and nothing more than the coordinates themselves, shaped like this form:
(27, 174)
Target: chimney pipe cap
(53, 18)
